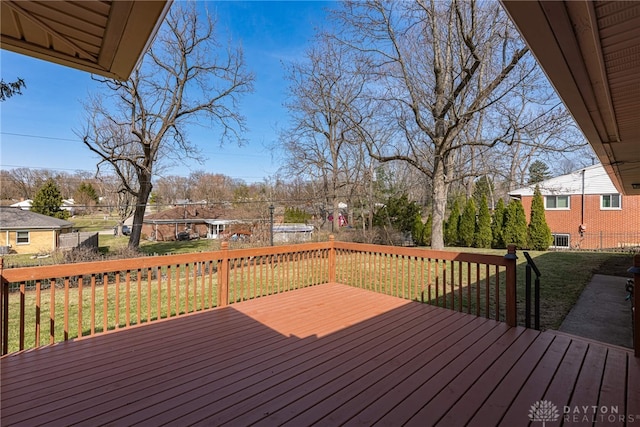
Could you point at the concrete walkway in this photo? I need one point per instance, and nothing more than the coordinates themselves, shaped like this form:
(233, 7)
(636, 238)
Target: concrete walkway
(601, 313)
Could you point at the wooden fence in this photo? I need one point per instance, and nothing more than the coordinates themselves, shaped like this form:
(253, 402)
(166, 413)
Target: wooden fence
(79, 239)
(49, 304)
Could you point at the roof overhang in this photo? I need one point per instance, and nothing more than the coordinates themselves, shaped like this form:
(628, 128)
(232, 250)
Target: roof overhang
(590, 51)
(107, 38)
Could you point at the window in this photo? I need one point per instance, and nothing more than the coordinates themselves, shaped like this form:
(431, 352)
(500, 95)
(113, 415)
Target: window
(560, 241)
(556, 202)
(610, 201)
(22, 237)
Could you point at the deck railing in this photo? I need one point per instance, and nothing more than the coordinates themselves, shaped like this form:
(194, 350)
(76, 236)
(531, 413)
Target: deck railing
(470, 283)
(49, 304)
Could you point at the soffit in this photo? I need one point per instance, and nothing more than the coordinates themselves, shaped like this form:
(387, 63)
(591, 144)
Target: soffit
(590, 51)
(107, 38)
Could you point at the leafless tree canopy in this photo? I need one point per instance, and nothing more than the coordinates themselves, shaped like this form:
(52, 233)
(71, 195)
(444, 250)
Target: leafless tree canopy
(321, 142)
(445, 87)
(187, 77)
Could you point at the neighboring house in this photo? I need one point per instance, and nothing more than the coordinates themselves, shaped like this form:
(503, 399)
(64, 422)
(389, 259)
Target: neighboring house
(67, 205)
(585, 210)
(172, 224)
(23, 204)
(26, 232)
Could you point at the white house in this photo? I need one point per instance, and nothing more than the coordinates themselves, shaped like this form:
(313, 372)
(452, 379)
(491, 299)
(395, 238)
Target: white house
(67, 205)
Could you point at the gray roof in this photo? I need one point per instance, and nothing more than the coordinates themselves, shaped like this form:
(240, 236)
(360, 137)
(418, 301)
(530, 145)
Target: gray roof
(589, 180)
(18, 219)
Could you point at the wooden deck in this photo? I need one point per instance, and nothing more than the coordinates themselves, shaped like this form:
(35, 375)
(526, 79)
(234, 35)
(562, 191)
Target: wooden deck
(325, 355)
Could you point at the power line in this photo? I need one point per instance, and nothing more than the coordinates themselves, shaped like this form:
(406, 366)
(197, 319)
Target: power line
(40, 137)
(215, 153)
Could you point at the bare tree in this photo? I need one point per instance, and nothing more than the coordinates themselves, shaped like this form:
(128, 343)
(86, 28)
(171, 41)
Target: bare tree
(26, 181)
(9, 89)
(435, 66)
(322, 89)
(186, 78)
(211, 187)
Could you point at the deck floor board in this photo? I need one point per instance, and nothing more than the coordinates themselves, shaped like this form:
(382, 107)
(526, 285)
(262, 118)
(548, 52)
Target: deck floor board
(325, 355)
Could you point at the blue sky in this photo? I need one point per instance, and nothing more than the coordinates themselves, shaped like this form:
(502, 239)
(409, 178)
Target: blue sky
(37, 128)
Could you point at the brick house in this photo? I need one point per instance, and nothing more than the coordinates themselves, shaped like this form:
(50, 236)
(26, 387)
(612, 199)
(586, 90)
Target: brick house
(585, 210)
(196, 221)
(26, 232)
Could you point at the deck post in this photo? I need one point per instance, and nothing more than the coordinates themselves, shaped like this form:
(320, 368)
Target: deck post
(4, 311)
(332, 259)
(223, 277)
(511, 306)
(636, 304)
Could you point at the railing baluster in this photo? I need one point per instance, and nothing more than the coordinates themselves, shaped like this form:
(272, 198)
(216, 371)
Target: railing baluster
(80, 305)
(203, 294)
(444, 283)
(487, 292)
(253, 275)
(436, 281)
(169, 291)
(285, 272)
(460, 286)
(478, 289)
(429, 280)
(272, 271)
(187, 279)
(395, 274)
(497, 292)
(159, 302)
(93, 304)
(402, 293)
(105, 306)
(177, 289)
(38, 305)
(22, 314)
(468, 288)
(66, 309)
(117, 313)
(127, 299)
(196, 296)
(52, 311)
(453, 285)
(149, 278)
(139, 296)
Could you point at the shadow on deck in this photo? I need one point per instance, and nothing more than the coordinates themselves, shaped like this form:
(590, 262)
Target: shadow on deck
(326, 355)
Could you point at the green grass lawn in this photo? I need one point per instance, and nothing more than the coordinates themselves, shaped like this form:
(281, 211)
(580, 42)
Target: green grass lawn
(94, 222)
(564, 276)
(179, 247)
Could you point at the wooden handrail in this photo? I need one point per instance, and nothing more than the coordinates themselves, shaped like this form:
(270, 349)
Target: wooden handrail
(105, 295)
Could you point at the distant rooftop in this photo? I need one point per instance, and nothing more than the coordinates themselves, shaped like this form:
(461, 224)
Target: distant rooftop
(18, 219)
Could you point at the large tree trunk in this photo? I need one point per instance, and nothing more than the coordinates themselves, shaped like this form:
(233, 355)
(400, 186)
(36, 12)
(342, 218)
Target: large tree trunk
(440, 191)
(138, 213)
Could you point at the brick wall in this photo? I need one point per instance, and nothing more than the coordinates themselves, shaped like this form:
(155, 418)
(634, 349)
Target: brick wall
(605, 228)
(39, 242)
